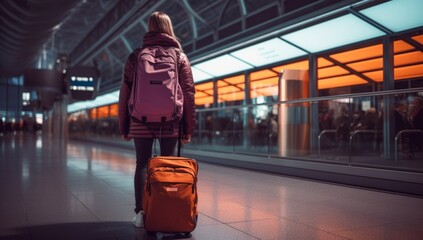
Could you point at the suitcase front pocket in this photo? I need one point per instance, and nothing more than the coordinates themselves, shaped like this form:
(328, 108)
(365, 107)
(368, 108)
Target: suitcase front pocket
(171, 200)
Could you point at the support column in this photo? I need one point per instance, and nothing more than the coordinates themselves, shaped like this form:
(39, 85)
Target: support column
(60, 124)
(294, 126)
(388, 101)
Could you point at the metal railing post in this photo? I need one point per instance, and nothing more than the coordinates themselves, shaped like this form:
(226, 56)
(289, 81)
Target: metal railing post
(351, 139)
(399, 134)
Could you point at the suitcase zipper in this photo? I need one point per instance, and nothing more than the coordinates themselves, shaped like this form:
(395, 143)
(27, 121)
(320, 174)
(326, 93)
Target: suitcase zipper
(174, 171)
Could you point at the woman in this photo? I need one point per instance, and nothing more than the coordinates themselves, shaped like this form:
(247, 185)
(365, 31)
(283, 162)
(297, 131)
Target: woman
(160, 33)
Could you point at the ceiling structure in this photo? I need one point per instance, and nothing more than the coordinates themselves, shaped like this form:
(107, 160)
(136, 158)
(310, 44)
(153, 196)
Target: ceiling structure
(102, 33)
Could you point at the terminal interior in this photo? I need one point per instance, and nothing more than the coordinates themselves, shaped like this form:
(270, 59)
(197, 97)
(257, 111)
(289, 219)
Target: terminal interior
(309, 117)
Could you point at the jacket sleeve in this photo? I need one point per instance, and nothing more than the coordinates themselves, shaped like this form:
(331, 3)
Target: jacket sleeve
(188, 89)
(125, 92)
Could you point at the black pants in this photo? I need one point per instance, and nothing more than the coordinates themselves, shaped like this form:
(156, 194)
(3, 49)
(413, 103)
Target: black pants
(143, 149)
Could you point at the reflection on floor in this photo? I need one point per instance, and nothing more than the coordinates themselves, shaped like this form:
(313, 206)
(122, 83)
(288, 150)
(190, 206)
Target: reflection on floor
(51, 189)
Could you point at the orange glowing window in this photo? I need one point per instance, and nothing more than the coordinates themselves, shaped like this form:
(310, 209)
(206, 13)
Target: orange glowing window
(401, 46)
(359, 54)
(345, 66)
(408, 61)
(367, 65)
(303, 65)
(204, 86)
(263, 74)
(264, 83)
(200, 94)
(231, 89)
(114, 108)
(321, 62)
(103, 112)
(234, 96)
(408, 72)
(268, 87)
(204, 100)
(376, 76)
(235, 80)
(342, 81)
(204, 93)
(418, 38)
(270, 84)
(222, 84)
(408, 58)
(93, 113)
(332, 71)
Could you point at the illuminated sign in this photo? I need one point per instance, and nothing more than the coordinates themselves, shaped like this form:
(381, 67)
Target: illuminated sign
(83, 82)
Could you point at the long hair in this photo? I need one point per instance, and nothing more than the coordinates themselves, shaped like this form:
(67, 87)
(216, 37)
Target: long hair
(160, 22)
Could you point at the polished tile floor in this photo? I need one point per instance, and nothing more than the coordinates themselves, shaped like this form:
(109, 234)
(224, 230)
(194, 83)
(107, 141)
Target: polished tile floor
(50, 189)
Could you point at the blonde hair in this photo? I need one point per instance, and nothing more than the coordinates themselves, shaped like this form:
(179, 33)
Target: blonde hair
(160, 22)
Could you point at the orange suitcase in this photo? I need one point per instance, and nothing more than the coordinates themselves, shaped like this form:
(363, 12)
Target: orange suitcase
(170, 197)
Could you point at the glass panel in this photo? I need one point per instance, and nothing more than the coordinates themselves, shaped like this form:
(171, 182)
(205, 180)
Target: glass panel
(114, 109)
(264, 83)
(222, 65)
(376, 76)
(256, 130)
(332, 71)
(397, 15)
(351, 68)
(408, 120)
(369, 65)
(408, 58)
(347, 80)
(103, 112)
(418, 38)
(374, 51)
(401, 46)
(346, 131)
(409, 72)
(271, 51)
(93, 113)
(408, 62)
(99, 101)
(333, 33)
(265, 88)
(302, 65)
(204, 94)
(321, 62)
(350, 126)
(231, 89)
(200, 75)
(215, 131)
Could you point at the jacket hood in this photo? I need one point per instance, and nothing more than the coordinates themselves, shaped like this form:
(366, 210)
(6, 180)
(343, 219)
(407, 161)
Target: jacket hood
(161, 39)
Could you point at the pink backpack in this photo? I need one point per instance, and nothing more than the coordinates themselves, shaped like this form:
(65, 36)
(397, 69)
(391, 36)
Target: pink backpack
(156, 96)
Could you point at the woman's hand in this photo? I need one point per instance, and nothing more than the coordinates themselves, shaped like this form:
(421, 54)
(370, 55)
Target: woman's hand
(186, 139)
(126, 138)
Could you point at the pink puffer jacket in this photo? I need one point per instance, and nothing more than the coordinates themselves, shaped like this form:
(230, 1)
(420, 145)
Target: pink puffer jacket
(136, 129)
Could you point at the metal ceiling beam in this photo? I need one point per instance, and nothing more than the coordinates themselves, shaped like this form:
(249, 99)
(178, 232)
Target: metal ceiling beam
(194, 15)
(25, 26)
(349, 69)
(109, 29)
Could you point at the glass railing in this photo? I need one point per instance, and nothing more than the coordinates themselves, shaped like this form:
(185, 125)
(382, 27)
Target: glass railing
(378, 129)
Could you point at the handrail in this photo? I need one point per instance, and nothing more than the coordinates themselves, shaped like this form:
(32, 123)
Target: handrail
(352, 137)
(399, 134)
(321, 134)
